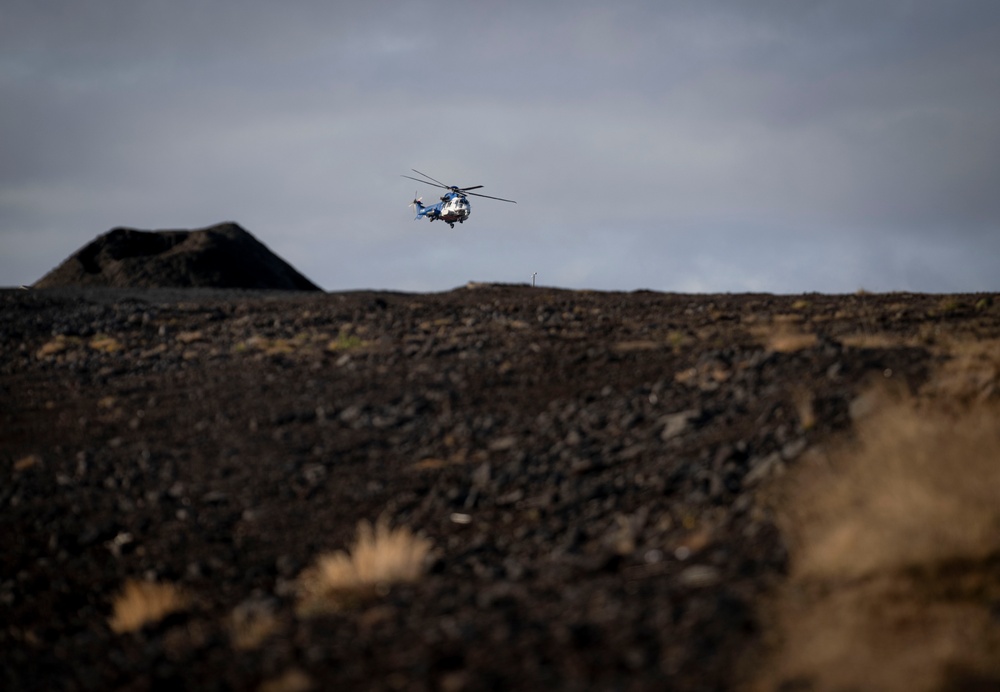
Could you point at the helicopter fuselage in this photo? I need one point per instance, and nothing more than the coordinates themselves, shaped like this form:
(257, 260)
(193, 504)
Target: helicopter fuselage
(453, 208)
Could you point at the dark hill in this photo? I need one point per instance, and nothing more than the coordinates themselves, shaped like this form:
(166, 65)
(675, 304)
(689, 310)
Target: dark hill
(220, 256)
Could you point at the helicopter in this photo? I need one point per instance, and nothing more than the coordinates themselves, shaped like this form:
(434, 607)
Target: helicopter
(454, 205)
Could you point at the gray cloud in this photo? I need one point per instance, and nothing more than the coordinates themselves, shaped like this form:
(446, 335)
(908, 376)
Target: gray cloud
(680, 146)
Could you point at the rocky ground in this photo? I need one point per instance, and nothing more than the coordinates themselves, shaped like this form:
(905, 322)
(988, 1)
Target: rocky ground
(590, 470)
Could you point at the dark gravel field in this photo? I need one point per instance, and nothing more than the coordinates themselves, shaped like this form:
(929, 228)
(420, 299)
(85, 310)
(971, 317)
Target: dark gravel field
(587, 478)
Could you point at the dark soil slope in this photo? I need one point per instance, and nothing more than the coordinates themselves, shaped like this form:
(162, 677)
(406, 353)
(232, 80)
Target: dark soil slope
(221, 256)
(587, 467)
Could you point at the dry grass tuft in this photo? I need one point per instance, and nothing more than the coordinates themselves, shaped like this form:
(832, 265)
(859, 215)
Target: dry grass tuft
(292, 680)
(874, 340)
(25, 463)
(790, 341)
(250, 627)
(970, 376)
(895, 544)
(379, 557)
(142, 603)
(784, 333)
(105, 344)
(804, 401)
(52, 348)
(919, 486)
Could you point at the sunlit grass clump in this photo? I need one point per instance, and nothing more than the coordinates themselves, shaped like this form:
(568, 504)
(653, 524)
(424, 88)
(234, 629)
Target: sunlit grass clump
(894, 543)
(380, 556)
(142, 603)
(920, 486)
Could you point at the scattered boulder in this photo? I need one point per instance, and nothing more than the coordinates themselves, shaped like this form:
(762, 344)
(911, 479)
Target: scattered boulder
(220, 256)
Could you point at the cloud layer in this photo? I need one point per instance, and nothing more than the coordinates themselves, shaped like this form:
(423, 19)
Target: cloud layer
(676, 146)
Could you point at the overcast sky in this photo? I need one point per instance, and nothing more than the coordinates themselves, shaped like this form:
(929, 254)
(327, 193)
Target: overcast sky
(772, 145)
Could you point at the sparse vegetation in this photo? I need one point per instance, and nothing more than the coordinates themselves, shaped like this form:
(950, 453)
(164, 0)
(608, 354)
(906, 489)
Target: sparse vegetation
(916, 486)
(868, 340)
(301, 342)
(380, 556)
(969, 374)
(791, 341)
(345, 342)
(142, 603)
(804, 402)
(250, 627)
(292, 680)
(949, 306)
(895, 542)
(105, 343)
(783, 333)
(56, 346)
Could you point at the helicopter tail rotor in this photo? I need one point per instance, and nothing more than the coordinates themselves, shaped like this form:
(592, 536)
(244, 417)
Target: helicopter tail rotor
(416, 204)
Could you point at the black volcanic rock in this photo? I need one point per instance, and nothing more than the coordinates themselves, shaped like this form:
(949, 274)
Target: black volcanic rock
(221, 256)
(598, 474)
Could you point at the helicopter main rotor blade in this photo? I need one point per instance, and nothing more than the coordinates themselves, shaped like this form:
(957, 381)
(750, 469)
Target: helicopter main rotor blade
(427, 176)
(453, 188)
(425, 182)
(501, 199)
